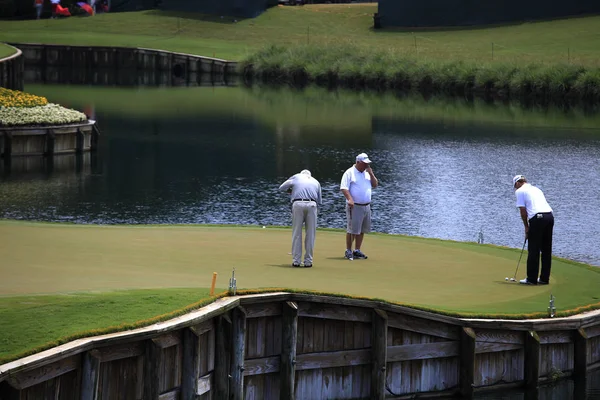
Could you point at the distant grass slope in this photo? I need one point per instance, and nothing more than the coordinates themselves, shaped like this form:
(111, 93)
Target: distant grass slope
(574, 40)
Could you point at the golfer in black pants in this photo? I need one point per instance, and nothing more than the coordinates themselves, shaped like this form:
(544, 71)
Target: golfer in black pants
(539, 223)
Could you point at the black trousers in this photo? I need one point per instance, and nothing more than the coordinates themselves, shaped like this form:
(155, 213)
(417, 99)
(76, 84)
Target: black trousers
(540, 241)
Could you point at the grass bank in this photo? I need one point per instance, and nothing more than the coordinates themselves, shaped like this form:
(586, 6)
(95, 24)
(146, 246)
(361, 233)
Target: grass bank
(359, 68)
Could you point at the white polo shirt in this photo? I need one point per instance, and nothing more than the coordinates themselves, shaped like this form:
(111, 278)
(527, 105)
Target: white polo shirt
(358, 183)
(532, 199)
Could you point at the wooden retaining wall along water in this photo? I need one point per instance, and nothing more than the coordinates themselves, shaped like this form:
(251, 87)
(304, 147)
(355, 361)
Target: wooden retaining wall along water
(123, 66)
(299, 346)
(12, 71)
(48, 141)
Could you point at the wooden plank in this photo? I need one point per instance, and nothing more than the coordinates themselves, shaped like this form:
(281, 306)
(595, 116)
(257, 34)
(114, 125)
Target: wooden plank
(379, 348)
(191, 365)
(328, 311)
(172, 395)
(550, 337)
(25, 379)
(152, 358)
(203, 327)
(495, 347)
(424, 326)
(532, 359)
(467, 362)
(112, 353)
(167, 340)
(204, 384)
(262, 310)
(580, 351)
(499, 336)
(592, 331)
(289, 336)
(90, 377)
(238, 352)
(423, 351)
(333, 359)
(261, 366)
(222, 357)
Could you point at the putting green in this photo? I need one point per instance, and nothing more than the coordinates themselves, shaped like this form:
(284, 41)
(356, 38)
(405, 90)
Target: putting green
(447, 276)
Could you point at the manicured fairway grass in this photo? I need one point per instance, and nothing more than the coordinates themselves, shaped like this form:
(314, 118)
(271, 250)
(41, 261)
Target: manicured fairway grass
(569, 40)
(60, 280)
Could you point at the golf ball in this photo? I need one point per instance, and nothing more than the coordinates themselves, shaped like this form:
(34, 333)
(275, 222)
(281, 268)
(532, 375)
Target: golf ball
(506, 278)
(264, 227)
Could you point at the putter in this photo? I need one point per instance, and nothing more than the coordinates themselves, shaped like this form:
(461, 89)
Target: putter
(514, 278)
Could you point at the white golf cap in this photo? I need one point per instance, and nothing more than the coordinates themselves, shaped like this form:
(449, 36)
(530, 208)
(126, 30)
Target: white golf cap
(306, 172)
(363, 157)
(517, 178)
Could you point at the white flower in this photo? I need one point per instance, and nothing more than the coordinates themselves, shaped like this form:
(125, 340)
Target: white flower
(50, 114)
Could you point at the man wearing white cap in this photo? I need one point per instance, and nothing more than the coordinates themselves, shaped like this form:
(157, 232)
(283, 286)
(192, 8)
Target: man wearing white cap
(539, 223)
(305, 195)
(356, 186)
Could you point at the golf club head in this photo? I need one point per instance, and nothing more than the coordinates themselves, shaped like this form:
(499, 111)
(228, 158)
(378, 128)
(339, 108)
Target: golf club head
(513, 280)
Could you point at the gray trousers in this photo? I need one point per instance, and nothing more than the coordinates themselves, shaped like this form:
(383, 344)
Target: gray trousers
(304, 213)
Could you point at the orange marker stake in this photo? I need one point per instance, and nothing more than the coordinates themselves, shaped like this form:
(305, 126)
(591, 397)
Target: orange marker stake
(212, 286)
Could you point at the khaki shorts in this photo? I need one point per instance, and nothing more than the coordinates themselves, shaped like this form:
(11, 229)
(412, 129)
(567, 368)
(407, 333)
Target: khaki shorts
(358, 220)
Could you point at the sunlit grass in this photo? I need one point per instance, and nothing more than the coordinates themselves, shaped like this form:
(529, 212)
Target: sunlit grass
(6, 51)
(573, 40)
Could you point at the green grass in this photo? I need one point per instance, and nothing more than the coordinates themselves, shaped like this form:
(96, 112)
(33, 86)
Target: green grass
(32, 323)
(64, 281)
(6, 51)
(574, 40)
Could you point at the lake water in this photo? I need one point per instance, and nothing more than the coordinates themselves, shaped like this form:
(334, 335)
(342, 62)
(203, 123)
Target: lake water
(218, 154)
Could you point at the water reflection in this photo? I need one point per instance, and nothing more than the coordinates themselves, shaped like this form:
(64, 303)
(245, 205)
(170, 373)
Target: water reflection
(218, 155)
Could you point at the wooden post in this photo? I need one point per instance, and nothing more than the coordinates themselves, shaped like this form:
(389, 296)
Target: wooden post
(378, 353)
(238, 352)
(94, 139)
(532, 359)
(79, 141)
(90, 377)
(467, 362)
(289, 336)
(7, 144)
(151, 370)
(50, 142)
(580, 351)
(222, 357)
(191, 365)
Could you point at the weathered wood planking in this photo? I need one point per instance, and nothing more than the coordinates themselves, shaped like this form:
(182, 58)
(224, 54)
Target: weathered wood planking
(495, 347)
(593, 350)
(317, 335)
(121, 379)
(420, 325)
(556, 357)
(263, 310)
(414, 376)
(332, 311)
(25, 379)
(499, 336)
(262, 387)
(499, 367)
(334, 383)
(111, 353)
(549, 337)
(593, 331)
(423, 351)
(172, 395)
(170, 369)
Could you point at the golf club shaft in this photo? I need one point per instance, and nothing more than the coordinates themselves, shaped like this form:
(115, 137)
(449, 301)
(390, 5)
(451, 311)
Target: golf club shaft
(523, 249)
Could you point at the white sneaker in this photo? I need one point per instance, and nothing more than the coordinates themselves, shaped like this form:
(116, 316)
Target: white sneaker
(526, 282)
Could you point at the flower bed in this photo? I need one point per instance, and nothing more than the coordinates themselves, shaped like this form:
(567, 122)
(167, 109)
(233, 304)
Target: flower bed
(23, 109)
